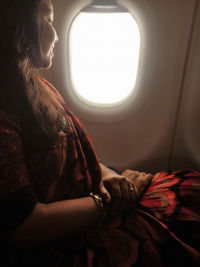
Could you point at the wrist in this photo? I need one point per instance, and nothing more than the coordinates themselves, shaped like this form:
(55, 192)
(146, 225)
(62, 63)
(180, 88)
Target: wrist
(100, 205)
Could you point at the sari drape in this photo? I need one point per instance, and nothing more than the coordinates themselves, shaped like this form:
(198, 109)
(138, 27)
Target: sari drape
(150, 235)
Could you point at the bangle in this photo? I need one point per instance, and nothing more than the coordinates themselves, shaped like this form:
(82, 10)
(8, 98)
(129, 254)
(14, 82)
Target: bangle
(99, 202)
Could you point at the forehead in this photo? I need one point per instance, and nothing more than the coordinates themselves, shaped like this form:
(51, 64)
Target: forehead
(46, 7)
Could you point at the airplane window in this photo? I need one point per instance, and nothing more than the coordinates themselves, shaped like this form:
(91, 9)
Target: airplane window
(103, 56)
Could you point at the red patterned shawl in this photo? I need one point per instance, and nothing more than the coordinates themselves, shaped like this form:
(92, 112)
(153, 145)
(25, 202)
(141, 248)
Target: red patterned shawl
(70, 169)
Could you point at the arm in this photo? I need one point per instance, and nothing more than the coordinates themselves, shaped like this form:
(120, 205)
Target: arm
(49, 222)
(25, 222)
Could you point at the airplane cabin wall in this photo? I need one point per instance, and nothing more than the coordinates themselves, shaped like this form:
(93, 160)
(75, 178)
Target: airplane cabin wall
(158, 127)
(187, 139)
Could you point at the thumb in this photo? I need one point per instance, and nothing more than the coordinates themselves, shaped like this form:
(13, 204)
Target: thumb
(104, 193)
(142, 182)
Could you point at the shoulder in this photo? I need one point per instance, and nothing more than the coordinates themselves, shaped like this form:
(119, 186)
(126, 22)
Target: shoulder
(42, 81)
(59, 98)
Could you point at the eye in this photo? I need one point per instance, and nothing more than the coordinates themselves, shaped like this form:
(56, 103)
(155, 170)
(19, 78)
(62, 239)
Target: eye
(50, 20)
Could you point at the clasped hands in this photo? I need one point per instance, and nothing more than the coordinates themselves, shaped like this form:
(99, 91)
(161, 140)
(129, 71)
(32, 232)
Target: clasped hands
(121, 192)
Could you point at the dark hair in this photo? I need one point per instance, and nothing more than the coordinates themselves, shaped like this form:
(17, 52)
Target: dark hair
(41, 116)
(18, 28)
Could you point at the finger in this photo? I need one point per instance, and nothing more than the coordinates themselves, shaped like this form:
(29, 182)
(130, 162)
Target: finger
(124, 173)
(145, 179)
(132, 194)
(125, 201)
(128, 201)
(131, 174)
(104, 193)
(156, 175)
(142, 182)
(142, 174)
(148, 177)
(115, 192)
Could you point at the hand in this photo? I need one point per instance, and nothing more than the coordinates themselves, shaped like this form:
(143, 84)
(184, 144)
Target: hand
(141, 180)
(116, 193)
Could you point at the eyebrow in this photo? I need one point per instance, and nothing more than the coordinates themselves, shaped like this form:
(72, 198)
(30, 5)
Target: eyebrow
(46, 8)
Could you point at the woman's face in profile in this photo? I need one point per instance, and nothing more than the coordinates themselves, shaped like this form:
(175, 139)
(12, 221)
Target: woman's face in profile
(47, 34)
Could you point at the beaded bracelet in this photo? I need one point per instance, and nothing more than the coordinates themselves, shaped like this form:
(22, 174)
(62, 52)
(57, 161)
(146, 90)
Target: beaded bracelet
(99, 202)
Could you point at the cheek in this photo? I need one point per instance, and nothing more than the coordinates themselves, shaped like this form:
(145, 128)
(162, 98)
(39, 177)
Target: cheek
(47, 37)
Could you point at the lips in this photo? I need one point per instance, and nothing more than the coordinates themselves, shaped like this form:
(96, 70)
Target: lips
(51, 51)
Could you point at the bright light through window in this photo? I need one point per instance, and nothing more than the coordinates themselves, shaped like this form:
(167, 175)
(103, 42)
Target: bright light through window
(104, 53)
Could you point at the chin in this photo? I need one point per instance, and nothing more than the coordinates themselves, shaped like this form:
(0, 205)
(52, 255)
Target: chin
(45, 64)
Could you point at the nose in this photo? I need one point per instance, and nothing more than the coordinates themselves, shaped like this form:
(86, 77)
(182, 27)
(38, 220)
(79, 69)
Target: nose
(54, 36)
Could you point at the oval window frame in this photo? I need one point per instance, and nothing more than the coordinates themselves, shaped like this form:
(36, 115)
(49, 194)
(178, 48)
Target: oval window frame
(105, 113)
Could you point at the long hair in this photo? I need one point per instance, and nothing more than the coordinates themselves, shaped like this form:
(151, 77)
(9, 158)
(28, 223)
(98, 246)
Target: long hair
(41, 116)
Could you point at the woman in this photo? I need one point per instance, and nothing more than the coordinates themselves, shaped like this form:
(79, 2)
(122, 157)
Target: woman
(59, 205)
